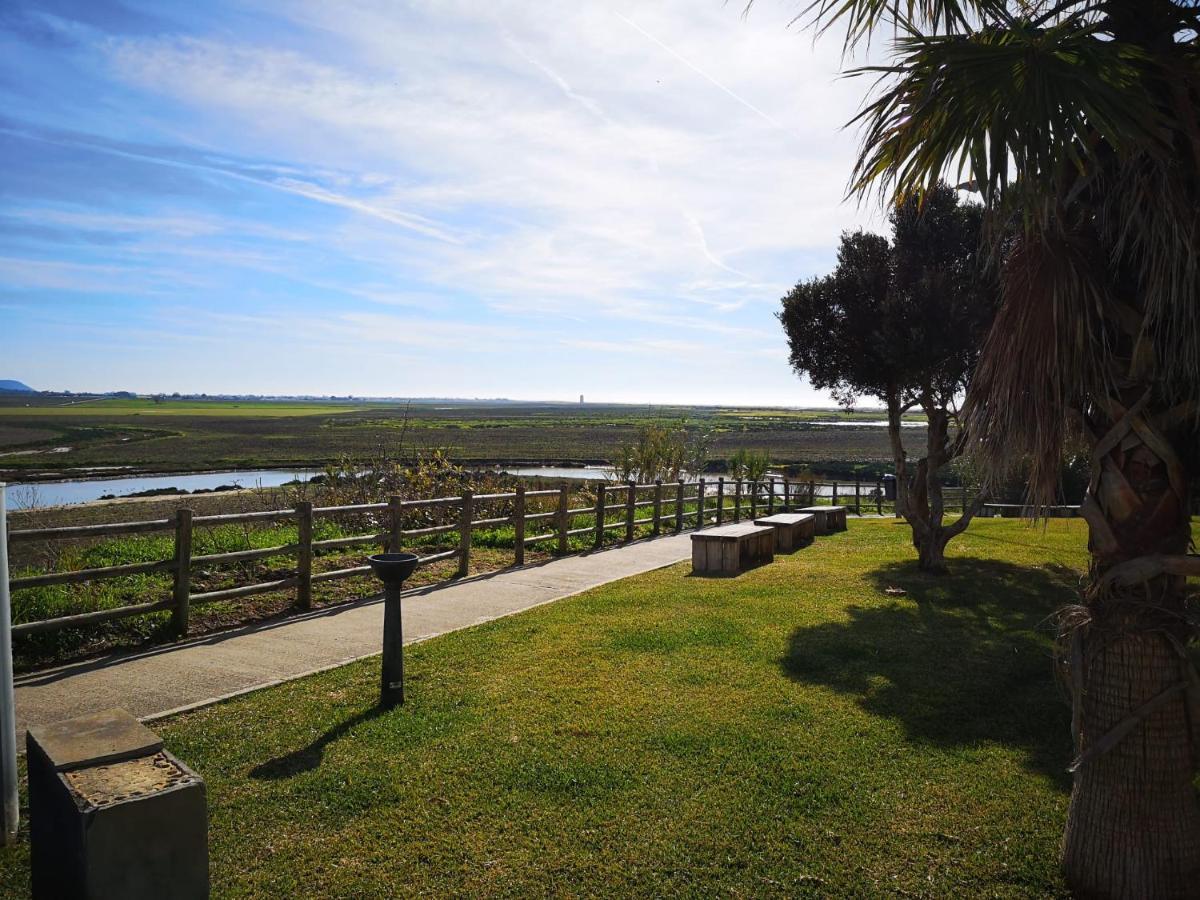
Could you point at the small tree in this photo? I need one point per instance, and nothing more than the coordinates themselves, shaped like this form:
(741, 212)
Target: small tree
(749, 465)
(662, 452)
(902, 320)
(697, 448)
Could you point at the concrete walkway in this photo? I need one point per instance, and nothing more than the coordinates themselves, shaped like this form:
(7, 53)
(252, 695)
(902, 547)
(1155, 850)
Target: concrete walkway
(193, 673)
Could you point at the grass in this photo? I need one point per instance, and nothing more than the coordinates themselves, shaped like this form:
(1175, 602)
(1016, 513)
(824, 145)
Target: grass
(492, 552)
(492, 549)
(795, 731)
(35, 604)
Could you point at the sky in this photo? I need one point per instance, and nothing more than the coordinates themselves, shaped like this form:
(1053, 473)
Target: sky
(441, 198)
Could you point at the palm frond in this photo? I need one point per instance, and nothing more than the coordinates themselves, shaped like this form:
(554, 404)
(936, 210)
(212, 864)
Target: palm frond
(1002, 101)
(1148, 214)
(1077, 121)
(861, 18)
(1079, 150)
(1045, 354)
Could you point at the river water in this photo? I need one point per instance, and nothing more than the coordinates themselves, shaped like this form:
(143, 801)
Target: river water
(86, 490)
(65, 493)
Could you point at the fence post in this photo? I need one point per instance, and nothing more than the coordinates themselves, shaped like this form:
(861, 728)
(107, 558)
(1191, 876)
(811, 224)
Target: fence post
(963, 488)
(737, 500)
(787, 496)
(395, 521)
(182, 593)
(657, 507)
(879, 497)
(519, 526)
(679, 507)
(10, 809)
(464, 534)
(600, 515)
(304, 553)
(700, 521)
(834, 501)
(720, 500)
(857, 495)
(771, 497)
(812, 493)
(629, 512)
(754, 487)
(563, 506)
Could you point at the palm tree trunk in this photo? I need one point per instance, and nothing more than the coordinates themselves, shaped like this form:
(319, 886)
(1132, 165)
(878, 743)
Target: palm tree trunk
(1133, 826)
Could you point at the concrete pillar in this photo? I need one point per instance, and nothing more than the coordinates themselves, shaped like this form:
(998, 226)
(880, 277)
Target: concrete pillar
(112, 814)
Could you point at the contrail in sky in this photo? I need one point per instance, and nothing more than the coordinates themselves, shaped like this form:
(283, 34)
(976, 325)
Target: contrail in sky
(299, 188)
(695, 68)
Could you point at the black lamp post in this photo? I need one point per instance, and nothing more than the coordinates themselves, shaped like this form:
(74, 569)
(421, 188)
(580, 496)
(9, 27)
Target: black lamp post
(392, 569)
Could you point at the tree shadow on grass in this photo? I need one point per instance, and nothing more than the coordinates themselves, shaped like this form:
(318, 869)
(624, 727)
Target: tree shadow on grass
(959, 660)
(307, 758)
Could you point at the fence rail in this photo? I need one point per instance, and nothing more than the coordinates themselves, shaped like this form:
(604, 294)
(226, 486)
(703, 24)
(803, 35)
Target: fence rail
(675, 506)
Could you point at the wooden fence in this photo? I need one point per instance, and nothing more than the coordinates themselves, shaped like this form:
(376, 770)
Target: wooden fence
(621, 508)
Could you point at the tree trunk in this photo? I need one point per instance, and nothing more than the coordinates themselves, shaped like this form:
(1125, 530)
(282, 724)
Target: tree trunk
(1133, 826)
(899, 457)
(917, 510)
(919, 499)
(931, 551)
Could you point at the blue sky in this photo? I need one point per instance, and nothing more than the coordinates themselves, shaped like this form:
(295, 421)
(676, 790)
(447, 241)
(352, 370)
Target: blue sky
(443, 198)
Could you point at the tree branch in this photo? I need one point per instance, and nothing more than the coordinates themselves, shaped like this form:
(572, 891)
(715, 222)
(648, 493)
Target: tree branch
(973, 510)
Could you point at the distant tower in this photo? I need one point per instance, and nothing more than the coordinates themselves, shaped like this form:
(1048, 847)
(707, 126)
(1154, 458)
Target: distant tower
(581, 399)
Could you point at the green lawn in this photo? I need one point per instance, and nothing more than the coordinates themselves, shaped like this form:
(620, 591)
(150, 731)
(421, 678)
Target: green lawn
(796, 731)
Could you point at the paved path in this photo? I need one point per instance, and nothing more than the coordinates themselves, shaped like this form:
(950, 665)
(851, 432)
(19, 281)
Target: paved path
(192, 673)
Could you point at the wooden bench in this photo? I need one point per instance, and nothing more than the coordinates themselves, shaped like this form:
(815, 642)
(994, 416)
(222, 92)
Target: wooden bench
(829, 518)
(792, 530)
(732, 549)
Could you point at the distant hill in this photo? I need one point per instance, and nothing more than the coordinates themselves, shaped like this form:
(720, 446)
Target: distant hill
(15, 387)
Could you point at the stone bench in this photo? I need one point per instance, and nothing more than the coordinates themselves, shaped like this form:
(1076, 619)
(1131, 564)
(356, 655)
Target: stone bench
(792, 530)
(829, 518)
(732, 549)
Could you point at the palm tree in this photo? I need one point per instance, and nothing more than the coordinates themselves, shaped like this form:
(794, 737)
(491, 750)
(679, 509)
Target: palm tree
(1077, 122)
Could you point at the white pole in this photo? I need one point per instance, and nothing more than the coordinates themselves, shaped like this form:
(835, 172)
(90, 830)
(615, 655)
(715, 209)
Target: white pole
(8, 711)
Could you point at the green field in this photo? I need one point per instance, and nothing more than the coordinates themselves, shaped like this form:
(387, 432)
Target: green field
(197, 434)
(795, 732)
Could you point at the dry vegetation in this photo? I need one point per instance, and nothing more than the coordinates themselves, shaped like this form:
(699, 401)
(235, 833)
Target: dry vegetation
(181, 437)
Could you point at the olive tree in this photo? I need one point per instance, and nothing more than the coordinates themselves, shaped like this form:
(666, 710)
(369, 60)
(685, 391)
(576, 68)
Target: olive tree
(902, 320)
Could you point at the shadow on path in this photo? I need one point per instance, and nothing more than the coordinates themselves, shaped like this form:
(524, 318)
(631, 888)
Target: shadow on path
(960, 660)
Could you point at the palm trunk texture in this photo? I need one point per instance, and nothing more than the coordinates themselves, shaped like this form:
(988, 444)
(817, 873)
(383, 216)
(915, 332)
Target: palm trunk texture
(1133, 826)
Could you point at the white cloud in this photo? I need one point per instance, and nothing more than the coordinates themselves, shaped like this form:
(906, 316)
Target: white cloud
(61, 275)
(627, 175)
(585, 154)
